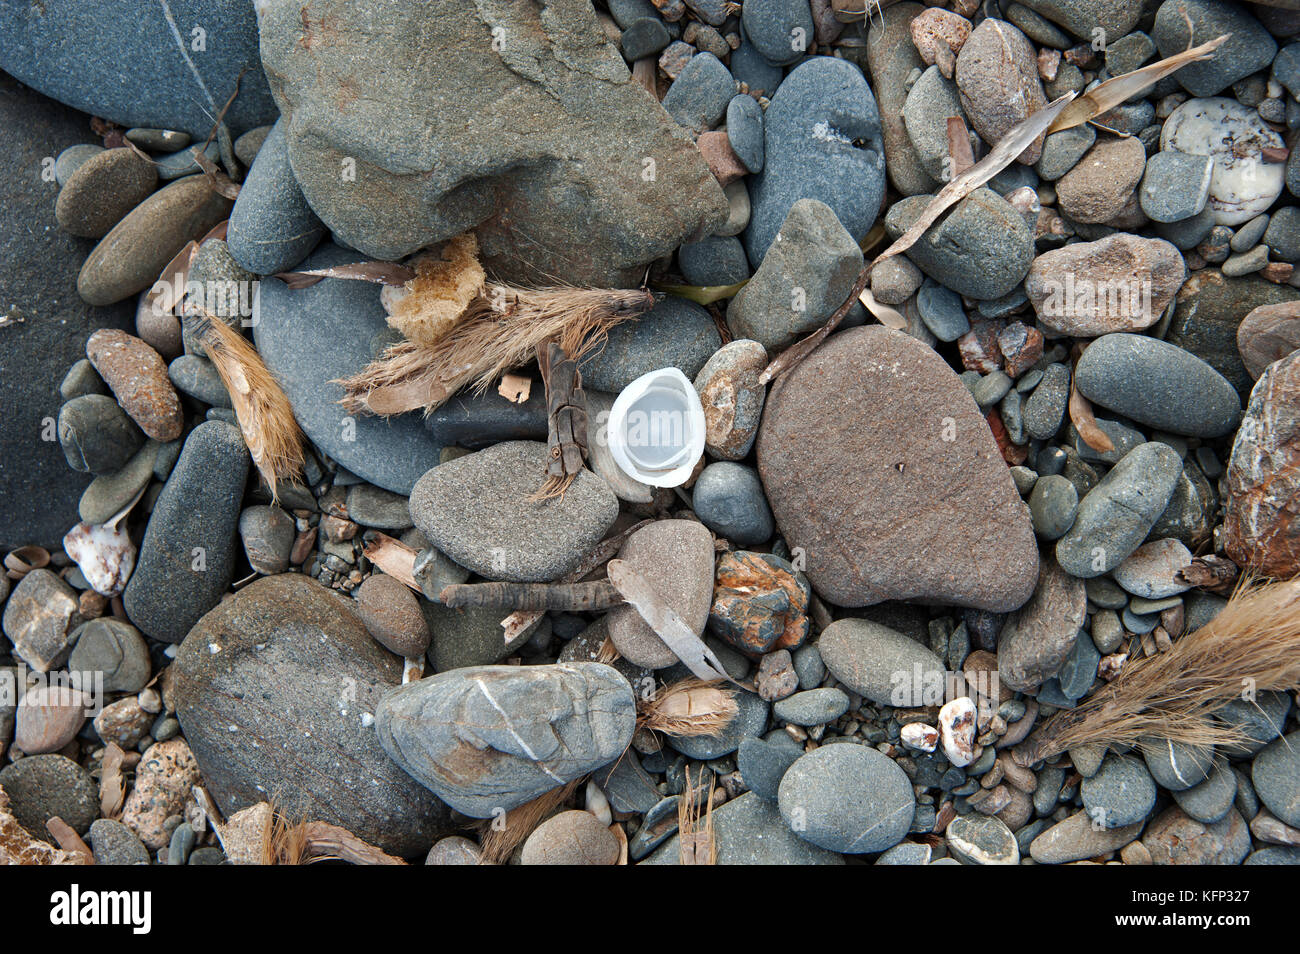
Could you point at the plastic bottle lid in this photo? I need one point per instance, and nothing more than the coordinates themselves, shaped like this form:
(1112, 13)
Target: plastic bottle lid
(656, 428)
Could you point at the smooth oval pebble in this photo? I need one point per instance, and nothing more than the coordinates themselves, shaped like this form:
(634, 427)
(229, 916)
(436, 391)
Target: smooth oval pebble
(392, 615)
(130, 257)
(882, 664)
(102, 190)
(1159, 384)
(570, 838)
(847, 798)
(48, 718)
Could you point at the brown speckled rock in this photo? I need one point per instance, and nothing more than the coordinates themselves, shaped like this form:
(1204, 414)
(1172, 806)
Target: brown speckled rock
(49, 717)
(1261, 525)
(103, 190)
(571, 838)
(1037, 639)
(1093, 288)
(880, 470)
(732, 398)
(676, 557)
(997, 77)
(1268, 333)
(137, 375)
(392, 615)
(163, 779)
(1099, 186)
(1174, 838)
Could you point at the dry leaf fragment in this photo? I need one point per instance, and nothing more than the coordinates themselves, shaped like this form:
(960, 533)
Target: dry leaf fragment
(218, 181)
(959, 149)
(702, 294)
(668, 626)
(1120, 89)
(515, 388)
(1085, 423)
(112, 785)
(393, 557)
(380, 273)
(887, 316)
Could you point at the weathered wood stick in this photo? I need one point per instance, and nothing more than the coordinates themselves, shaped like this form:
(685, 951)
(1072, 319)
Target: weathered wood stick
(572, 597)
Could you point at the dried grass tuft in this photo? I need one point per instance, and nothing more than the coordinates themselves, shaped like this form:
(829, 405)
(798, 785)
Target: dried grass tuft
(501, 330)
(696, 843)
(265, 415)
(692, 707)
(1253, 645)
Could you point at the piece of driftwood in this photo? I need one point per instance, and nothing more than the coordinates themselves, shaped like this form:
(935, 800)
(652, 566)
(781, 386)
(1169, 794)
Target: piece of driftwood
(520, 620)
(566, 419)
(566, 597)
(1210, 572)
(393, 557)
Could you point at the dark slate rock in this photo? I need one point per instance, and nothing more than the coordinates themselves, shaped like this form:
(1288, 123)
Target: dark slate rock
(716, 260)
(781, 30)
(123, 61)
(476, 420)
(762, 763)
(745, 131)
(1249, 48)
(750, 721)
(262, 723)
(41, 787)
(822, 140)
(758, 75)
(272, 228)
(314, 336)
(675, 333)
(97, 435)
(187, 558)
(1159, 384)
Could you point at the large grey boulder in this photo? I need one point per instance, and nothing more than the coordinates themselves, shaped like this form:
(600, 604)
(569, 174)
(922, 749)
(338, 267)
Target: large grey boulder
(518, 120)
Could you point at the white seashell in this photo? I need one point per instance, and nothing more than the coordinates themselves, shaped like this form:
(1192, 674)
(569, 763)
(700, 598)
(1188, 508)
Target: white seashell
(919, 737)
(1243, 184)
(957, 730)
(105, 555)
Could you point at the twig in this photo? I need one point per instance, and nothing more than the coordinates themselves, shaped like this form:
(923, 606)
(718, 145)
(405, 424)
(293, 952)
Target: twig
(564, 597)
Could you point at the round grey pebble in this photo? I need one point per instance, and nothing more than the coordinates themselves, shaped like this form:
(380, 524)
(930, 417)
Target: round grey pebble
(728, 498)
(847, 798)
(812, 707)
(1121, 793)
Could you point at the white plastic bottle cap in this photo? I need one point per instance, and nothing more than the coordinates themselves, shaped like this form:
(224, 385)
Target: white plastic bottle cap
(656, 428)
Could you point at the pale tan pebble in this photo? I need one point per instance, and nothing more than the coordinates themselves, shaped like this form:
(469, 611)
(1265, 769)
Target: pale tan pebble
(124, 723)
(1266, 827)
(48, 718)
(1049, 63)
(454, 850)
(939, 36)
(150, 700)
(244, 834)
(1017, 775)
(1135, 853)
(571, 838)
(163, 780)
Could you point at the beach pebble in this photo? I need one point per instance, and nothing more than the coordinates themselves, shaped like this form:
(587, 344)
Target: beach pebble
(137, 375)
(1037, 639)
(490, 738)
(982, 840)
(699, 95)
(97, 436)
(1276, 777)
(454, 850)
(267, 533)
(570, 838)
(49, 717)
(114, 648)
(812, 707)
(1243, 184)
(1249, 46)
(391, 613)
(847, 798)
(1121, 793)
(675, 333)
(41, 787)
(1177, 765)
(781, 30)
(732, 398)
(1212, 799)
(1150, 570)
(745, 131)
(72, 159)
(102, 190)
(1098, 187)
(163, 779)
(1174, 838)
(881, 664)
(1077, 838)
(39, 619)
(480, 511)
(115, 844)
(957, 731)
(762, 763)
(997, 75)
(728, 498)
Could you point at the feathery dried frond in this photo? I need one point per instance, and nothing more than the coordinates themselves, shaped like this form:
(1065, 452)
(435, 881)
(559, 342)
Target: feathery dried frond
(265, 415)
(1253, 645)
(688, 708)
(500, 839)
(500, 330)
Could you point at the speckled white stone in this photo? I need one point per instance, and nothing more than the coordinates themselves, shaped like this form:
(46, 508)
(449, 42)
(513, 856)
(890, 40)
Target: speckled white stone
(1242, 184)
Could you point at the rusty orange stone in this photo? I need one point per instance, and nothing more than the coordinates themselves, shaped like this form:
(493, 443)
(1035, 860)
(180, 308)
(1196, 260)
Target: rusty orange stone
(760, 603)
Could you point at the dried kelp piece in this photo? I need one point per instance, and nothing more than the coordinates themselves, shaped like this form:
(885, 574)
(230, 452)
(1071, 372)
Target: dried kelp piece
(112, 783)
(566, 416)
(887, 316)
(692, 707)
(1175, 695)
(668, 626)
(265, 415)
(1120, 89)
(1210, 572)
(1000, 156)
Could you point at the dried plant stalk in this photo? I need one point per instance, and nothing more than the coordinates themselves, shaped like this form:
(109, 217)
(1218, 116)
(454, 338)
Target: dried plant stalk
(307, 842)
(501, 838)
(265, 415)
(501, 330)
(688, 708)
(1252, 645)
(564, 597)
(566, 420)
(695, 842)
(1120, 89)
